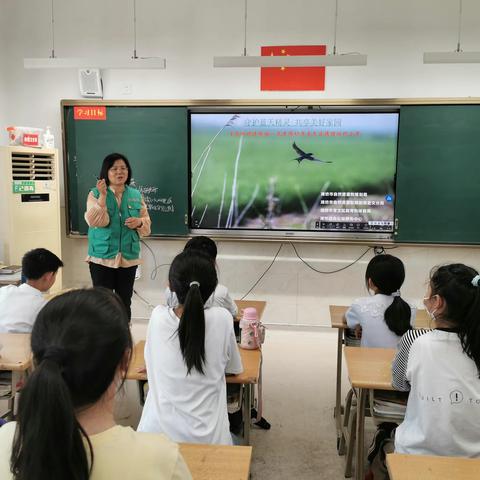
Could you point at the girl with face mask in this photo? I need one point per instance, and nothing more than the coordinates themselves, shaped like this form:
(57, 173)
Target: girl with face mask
(441, 369)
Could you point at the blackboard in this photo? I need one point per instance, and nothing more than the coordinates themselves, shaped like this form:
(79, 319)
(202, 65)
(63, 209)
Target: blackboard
(153, 138)
(437, 184)
(438, 174)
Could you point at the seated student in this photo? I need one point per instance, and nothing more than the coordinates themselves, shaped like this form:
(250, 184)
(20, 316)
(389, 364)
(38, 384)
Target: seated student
(19, 306)
(384, 317)
(188, 351)
(65, 428)
(221, 297)
(443, 370)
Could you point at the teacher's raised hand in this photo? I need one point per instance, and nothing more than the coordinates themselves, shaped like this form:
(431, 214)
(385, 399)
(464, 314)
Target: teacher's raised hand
(102, 187)
(133, 222)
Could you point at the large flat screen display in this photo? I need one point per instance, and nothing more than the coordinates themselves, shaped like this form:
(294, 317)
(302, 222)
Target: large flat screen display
(293, 172)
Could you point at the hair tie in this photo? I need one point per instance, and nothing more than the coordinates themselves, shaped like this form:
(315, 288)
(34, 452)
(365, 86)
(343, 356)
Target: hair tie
(194, 283)
(396, 294)
(475, 280)
(56, 354)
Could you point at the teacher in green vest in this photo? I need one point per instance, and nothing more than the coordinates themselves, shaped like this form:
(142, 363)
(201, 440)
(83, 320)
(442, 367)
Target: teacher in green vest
(117, 217)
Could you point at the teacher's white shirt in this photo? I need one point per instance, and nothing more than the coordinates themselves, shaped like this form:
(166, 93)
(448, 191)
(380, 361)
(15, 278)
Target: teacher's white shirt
(19, 307)
(189, 408)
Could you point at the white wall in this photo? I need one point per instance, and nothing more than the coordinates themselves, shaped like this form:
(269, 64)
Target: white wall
(3, 82)
(3, 122)
(189, 33)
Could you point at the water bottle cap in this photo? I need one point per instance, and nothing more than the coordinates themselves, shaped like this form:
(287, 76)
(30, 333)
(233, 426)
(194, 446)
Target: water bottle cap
(250, 313)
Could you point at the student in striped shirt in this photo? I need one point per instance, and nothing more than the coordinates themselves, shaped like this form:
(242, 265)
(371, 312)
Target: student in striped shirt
(442, 372)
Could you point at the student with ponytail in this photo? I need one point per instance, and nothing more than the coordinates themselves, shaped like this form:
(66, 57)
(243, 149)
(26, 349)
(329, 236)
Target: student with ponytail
(81, 347)
(443, 370)
(384, 317)
(442, 373)
(188, 351)
(220, 297)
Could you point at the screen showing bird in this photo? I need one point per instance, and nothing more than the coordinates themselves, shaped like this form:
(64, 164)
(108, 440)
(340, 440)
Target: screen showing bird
(297, 171)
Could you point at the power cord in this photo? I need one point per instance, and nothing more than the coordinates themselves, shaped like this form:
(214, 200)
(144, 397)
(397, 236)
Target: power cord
(153, 274)
(331, 271)
(144, 300)
(265, 272)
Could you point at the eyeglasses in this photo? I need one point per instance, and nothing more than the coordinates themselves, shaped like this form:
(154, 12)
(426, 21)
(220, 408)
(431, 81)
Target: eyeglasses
(118, 169)
(431, 296)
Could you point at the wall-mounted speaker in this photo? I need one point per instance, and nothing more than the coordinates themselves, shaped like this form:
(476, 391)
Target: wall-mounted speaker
(90, 81)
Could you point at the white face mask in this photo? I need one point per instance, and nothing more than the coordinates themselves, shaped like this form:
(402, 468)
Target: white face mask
(431, 314)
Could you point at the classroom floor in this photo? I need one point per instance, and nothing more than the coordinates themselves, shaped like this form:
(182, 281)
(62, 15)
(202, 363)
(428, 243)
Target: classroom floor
(299, 395)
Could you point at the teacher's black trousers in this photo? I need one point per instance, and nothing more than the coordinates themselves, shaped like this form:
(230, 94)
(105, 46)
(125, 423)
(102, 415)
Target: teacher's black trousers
(120, 280)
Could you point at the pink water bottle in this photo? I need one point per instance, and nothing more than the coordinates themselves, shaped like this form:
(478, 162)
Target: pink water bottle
(253, 332)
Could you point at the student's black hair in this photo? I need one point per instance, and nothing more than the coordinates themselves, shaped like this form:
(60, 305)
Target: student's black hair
(193, 278)
(39, 261)
(107, 164)
(78, 341)
(388, 273)
(205, 244)
(454, 284)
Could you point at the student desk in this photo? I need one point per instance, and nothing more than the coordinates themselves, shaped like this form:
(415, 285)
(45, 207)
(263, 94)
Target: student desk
(251, 360)
(15, 357)
(412, 467)
(368, 368)
(337, 319)
(259, 305)
(217, 462)
(10, 279)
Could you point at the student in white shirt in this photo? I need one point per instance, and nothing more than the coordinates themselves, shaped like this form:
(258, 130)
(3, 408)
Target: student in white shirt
(220, 297)
(383, 318)
(81, 346)
(188, 351)
(19, 306)
(442, 373)
(443, 410)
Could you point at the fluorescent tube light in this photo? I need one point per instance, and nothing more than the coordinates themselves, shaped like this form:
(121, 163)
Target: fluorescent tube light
(451, 57)
(344, 60)
(142, 63)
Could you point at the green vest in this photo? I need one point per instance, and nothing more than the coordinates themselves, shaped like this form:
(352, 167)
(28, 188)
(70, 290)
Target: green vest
(106, 242)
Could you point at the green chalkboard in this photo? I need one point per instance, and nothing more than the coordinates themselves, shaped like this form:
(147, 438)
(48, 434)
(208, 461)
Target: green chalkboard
(438, 174)
(153, 138)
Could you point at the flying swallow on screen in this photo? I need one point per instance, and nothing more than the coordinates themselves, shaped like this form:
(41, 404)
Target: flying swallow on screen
(306, 156)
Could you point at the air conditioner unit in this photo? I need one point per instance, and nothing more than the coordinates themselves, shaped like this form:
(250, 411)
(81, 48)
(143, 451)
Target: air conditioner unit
(30, 203)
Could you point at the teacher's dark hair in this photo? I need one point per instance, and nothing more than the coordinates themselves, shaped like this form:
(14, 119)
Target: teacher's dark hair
(107, 164)
(388, 274)
(193, 278)
(78, 342)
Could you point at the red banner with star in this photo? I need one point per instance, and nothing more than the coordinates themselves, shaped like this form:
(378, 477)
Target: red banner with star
(293, 78)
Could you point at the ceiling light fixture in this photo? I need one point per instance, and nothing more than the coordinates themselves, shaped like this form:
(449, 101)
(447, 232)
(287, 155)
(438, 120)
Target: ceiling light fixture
(457, 56)
(332, 60)
(103, 62)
